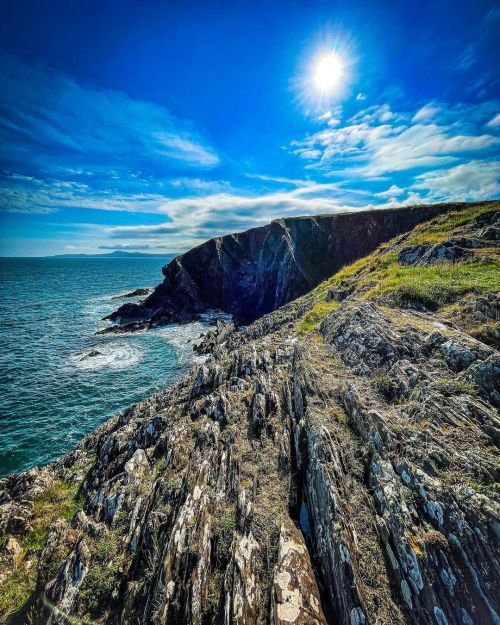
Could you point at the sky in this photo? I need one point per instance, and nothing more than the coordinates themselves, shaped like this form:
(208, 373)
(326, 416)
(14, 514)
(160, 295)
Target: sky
(154, 126)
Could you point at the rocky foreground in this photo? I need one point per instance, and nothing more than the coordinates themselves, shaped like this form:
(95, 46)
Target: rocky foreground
(335, 462)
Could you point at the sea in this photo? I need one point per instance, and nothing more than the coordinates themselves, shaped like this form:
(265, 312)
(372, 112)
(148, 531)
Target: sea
(50, 394)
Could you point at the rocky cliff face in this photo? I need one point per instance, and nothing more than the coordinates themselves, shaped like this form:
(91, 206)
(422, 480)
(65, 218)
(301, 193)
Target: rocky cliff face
(254, 272)
(333, 463)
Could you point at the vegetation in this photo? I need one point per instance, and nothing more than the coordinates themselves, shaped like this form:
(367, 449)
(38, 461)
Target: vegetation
(108, 558)
(385, 385)
(441, 228)
(60, 501)
(311, 320)
(452, 386)
(225, 536)
(433, 286)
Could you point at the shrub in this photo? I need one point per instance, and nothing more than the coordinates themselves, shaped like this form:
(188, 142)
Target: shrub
(433, 538)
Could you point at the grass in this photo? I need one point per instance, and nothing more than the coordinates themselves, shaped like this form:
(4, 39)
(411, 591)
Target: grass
(433, 286)
(226, 530)
(441, 228)
(60, 501)
(311, 320)
(451, 386)
(103, 575)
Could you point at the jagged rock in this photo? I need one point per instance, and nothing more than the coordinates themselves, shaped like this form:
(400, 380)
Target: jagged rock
(421, 255)
(295, 597)
(92, 354)
(486, 375)
(63, 589)
(365, 340)
(214, 338)
(460, 355)
(135, 293)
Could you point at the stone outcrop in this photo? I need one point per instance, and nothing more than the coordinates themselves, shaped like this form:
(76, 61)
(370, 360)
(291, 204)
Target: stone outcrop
(135, 293)
(347, 475)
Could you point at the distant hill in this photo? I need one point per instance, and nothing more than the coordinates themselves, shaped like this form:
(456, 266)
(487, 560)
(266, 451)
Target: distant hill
(116, 254)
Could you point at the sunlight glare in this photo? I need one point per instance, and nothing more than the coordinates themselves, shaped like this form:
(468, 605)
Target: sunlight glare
(327, 72)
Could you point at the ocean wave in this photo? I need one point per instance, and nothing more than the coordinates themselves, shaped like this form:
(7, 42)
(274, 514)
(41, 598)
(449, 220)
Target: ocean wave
(183, 338)
(111, 356)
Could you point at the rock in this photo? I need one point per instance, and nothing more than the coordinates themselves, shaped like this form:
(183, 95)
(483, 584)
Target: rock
(295, 596)
(136, 293)
(486, 375)
(63, 589)
(92, 354)
(421, 255)
(214, 338)
(459, 355)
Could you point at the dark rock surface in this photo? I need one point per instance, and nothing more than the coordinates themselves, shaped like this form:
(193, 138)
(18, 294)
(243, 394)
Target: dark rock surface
(92, 354)
(448, 252)
(136, 293)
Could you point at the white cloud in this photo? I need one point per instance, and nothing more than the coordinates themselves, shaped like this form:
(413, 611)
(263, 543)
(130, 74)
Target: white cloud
(474, 180)
(392, 192)
(495, 121)
(196, 219)
(40, 196)
(427, 112)
(379, 141)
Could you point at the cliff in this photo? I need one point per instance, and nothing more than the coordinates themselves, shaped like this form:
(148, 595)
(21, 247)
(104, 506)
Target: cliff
(255, 272)
(333, 463)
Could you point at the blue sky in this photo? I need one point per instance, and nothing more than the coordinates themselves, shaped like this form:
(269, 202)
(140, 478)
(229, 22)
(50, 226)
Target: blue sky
(155, 126)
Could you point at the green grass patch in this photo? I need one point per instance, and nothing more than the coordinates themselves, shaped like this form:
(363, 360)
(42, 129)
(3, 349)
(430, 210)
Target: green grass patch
(433, 286)
(440, 228)
(452, 386)
(15, 591)
(311, 320)
(60, 501)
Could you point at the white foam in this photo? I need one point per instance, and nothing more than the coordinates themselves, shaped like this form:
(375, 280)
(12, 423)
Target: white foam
(110, 356)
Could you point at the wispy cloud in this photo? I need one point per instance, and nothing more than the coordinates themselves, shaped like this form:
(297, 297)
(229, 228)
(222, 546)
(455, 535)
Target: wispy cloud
(54, 131)
(28, 194)
(196, 219)
(379, 141)
(474, 180)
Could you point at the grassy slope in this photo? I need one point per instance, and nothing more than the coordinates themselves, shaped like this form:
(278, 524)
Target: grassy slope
(379, 276)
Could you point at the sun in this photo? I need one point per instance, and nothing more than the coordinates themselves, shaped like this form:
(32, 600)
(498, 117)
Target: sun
(327, 72)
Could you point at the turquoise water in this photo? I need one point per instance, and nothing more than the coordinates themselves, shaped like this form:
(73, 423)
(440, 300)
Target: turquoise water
(50, 309)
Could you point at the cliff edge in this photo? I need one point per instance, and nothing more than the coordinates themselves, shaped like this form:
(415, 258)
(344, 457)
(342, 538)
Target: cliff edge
(251, 273)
